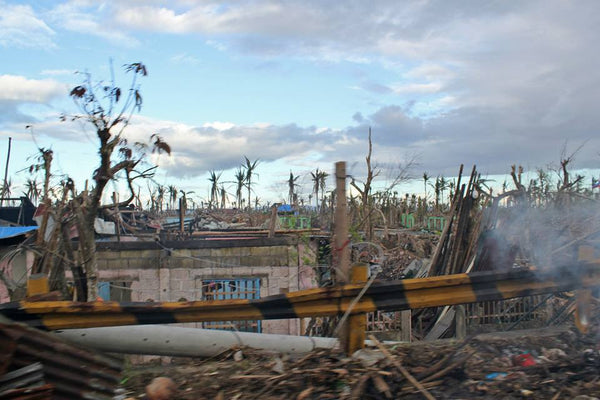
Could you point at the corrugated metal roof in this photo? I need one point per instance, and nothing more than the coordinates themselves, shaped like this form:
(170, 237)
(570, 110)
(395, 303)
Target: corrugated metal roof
(74, 372)
(12, 231)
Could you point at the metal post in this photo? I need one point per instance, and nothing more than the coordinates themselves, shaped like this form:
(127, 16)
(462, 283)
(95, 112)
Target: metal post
(357, 323)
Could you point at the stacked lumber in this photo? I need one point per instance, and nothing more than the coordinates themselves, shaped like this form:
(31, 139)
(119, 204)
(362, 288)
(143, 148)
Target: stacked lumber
(457, 245)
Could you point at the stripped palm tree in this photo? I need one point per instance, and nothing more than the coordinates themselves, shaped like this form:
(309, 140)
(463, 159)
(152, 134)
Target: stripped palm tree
(33, 190)
(316, 176)
(223, 196)
(425, 179)
(214, 188)
(240, 178)
(160, 196)
(250, 167)
(322, 184)
(292, 187)
(172, 196)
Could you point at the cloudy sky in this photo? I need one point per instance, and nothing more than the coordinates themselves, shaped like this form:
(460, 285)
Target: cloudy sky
(296, 84)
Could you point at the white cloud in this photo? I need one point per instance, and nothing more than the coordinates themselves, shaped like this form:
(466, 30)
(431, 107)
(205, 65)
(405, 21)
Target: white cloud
(220, 126)
(184, 59)
(20, 89)
(92, 19)
(20, 27)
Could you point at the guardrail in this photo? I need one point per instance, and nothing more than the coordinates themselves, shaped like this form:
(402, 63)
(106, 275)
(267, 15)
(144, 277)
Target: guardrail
(396, 295)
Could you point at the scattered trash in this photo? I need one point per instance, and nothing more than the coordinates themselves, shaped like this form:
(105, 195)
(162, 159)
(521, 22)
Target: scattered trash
(238, 355)
(479, 367)
(524, 360)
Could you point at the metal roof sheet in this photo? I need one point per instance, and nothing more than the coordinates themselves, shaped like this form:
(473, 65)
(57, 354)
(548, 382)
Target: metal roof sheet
(12, 231)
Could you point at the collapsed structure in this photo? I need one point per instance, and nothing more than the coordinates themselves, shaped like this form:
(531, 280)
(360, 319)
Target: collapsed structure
(264, 282)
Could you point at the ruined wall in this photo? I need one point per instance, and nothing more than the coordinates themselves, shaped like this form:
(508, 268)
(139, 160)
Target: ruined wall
(177, 270)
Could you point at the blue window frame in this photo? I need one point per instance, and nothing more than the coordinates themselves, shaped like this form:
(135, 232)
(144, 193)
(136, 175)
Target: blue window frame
(229, 289)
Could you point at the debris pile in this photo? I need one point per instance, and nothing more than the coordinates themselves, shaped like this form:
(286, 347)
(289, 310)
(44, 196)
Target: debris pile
(535, 364)
(406, 253)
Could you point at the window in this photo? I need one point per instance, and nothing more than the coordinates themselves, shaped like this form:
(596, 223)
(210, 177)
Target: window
(228, 289)
(115, 291)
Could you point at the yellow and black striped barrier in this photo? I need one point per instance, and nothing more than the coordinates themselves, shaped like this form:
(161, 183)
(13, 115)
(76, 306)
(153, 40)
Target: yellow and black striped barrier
(387, 296)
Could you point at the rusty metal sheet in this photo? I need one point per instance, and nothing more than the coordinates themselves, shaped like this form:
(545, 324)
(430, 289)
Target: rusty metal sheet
(44, 392)
(26, 377)
(73, 372)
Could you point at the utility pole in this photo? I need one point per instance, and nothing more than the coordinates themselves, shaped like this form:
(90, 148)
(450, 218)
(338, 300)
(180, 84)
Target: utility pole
(341, 249)
(6, 172)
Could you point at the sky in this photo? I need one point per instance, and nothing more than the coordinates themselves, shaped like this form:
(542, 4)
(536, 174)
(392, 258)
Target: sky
(297, 84)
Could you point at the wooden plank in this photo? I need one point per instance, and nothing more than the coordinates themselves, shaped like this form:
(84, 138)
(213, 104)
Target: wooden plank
(441, 325)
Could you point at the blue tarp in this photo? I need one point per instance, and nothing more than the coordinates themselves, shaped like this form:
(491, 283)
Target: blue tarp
(285, 208)
(12, 231)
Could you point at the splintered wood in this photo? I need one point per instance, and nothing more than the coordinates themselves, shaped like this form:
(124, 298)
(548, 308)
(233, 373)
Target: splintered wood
(537, 364)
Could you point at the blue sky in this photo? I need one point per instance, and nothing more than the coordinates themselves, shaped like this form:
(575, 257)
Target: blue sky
(296, 84)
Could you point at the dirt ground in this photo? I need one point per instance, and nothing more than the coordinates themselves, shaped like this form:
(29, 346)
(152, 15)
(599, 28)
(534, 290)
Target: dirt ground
(538, 364)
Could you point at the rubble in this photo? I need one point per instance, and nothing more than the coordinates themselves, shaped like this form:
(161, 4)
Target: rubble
(562, 363)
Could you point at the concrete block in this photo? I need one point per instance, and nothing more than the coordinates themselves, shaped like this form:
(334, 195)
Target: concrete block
(223, 272)
(102, 264)
(261, 271)
(202, 272)
(144, 295)
(247, 261)
(180, 273)
(131, 254)
(149, 284)
(108, 255)
(231, 261)
(181, 253)
(269, 261)
(178, 294)
(200, 252)
(188, 285)
(278, 251)
(259, 251)
(186, 263)
(242, 271)
(142, 263)
(116, 264)
(164, 274)
(203, 263)
(148, 274)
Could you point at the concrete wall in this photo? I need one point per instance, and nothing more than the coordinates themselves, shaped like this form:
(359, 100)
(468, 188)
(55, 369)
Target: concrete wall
(177, 270)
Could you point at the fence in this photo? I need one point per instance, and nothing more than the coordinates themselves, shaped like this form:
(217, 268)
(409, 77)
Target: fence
(294, 222)
(433, 223)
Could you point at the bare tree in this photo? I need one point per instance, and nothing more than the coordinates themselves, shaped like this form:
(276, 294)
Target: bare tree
(102, 106)
(397, 174)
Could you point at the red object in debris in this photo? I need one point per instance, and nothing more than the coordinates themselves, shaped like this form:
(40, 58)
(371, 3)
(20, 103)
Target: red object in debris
(524, 360)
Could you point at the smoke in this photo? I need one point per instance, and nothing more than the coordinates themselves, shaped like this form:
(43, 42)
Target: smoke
(545, 232)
